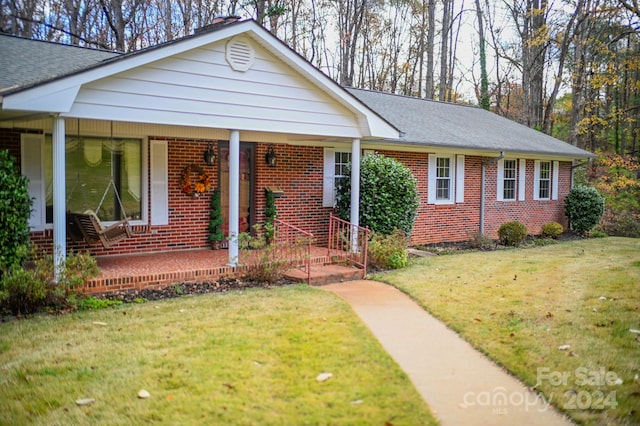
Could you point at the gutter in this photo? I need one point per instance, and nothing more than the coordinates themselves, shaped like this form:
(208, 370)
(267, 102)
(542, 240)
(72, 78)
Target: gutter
(482, 185)
(575, 166)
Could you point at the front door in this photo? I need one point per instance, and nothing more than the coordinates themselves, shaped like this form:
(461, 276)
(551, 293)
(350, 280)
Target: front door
(246, 185)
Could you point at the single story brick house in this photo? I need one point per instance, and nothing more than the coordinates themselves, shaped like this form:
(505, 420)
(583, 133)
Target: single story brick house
(127, 135)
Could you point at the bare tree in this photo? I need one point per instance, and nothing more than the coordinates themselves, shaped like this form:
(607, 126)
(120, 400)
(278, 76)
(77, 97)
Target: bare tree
(530, 19)
(350, 18)
(447, 13)
(564, 38)
(485, 99)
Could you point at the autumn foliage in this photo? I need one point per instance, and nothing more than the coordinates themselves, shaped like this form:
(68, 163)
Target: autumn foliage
(617, 178)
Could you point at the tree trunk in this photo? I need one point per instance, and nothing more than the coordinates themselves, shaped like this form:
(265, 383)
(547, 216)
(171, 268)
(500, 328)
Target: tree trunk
(444, 49)
(429, 90)
(485, 100)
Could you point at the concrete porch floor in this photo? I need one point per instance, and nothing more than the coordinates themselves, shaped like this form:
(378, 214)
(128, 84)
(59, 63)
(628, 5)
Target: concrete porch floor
(155, 270)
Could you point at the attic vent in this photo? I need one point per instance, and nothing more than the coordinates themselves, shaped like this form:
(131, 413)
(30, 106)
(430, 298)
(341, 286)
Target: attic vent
(240, 54)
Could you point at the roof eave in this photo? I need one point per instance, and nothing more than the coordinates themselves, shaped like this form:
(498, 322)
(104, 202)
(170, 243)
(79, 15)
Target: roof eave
(427, 147)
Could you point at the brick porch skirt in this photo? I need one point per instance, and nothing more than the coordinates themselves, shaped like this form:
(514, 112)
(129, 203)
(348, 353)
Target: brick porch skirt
(157, 270)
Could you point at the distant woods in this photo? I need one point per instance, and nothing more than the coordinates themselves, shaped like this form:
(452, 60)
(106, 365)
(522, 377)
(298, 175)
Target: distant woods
(567, 68)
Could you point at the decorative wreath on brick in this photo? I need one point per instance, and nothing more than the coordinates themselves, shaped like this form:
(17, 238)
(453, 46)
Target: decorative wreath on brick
(194, 181)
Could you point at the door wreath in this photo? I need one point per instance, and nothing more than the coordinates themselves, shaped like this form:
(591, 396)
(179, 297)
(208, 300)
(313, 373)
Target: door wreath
(194, 181)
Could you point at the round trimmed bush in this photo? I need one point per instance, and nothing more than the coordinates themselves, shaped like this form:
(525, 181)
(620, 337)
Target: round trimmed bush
(512, 233)
(552, 230)
(15, 210)
(584, 207)
(388, 195)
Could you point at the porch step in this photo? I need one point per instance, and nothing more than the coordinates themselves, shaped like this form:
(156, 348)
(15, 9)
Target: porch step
(327, 274)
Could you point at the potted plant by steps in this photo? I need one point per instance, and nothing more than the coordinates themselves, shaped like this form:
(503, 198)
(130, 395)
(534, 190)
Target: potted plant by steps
(270, 215)
(216, 236)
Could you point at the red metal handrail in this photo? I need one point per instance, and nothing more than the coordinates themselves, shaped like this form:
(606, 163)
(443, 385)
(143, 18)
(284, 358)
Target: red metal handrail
(348, 241)
(295, 244)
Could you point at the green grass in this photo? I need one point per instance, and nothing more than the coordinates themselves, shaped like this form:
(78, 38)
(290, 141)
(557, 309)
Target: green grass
(520, 305)
(249, 357)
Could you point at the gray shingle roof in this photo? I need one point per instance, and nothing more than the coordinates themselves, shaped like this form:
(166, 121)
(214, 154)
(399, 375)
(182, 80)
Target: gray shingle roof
(422, 122)
(445, 125)
(27, 62)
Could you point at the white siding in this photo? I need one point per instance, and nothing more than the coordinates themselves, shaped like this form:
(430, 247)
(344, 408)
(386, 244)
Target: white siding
(199, 88)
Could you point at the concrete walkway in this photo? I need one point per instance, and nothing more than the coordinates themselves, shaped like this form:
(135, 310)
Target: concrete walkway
(461, 385)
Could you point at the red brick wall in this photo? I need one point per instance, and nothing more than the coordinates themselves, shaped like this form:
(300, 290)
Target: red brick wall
(532, 213)
(299, 174)
(458, 222)
(10, 139)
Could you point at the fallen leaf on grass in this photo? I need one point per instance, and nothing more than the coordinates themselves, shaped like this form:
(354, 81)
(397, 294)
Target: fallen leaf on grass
(323, 377)
(85, 401)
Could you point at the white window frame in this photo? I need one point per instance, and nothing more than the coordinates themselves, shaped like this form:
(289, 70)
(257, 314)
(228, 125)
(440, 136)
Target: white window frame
(519, 179)
(329, 178)
(554, 171)
(503, 178)
(456, 179)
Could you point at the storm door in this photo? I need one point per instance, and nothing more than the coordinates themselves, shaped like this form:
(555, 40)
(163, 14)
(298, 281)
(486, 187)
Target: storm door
(246, 185)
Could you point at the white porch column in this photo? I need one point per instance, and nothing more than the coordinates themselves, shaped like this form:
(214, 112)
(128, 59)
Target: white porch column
(59, 196)
(234, 195)
(354, 214)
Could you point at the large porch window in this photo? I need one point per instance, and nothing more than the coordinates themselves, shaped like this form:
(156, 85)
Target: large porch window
(102, 174)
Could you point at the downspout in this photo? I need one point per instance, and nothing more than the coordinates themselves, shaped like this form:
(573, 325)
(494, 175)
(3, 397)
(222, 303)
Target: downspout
(575, 166)
(482, 190)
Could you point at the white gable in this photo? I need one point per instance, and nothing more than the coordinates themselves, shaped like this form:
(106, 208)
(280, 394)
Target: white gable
(200, 88)
(260, 86)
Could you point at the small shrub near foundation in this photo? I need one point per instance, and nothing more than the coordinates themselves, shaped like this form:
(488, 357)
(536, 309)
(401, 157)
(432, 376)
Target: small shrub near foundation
(512, 233)
(388, 251)
(31, 288)
(480, 241)
(552, 230)
(267, 262)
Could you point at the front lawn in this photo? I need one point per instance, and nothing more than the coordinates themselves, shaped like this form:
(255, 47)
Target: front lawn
(564, 318)
(245, 357)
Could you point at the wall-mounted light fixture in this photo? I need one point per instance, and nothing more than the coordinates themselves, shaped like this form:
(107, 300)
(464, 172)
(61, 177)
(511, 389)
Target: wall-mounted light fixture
(210, 155)
(270, 157)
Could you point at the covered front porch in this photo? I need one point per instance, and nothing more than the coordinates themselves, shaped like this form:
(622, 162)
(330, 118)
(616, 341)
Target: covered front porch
(136, 126)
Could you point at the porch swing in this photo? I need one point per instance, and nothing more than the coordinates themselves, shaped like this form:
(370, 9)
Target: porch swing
(87, 226)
